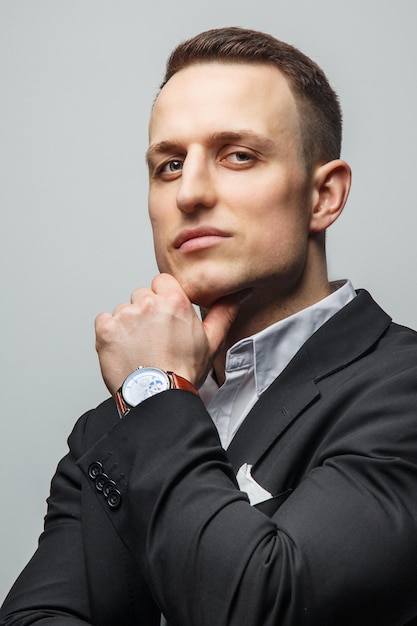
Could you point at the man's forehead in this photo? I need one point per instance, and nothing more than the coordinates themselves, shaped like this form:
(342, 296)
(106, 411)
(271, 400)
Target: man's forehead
(228, 71)
(231, 76)
(216, 91)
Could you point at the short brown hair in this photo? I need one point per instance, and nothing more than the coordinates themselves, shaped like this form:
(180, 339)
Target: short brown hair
(317, 103)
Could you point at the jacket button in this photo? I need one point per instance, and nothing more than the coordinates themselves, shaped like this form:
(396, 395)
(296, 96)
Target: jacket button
(114, 499)
(100, 481)
(108, 486)
(95, 469)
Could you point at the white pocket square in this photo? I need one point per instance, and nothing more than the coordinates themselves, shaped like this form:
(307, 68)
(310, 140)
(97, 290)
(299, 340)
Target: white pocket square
(247, 483)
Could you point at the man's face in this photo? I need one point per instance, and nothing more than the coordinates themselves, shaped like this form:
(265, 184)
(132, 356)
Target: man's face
(230, 198)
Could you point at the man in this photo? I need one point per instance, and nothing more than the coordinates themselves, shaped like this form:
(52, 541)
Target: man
(258, 467)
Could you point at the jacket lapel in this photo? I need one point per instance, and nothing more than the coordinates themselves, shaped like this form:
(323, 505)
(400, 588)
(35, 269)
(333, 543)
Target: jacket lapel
(340, 341)
(278, 406)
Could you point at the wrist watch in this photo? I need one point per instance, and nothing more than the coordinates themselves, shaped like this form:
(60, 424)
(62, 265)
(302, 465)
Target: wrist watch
(146, 382)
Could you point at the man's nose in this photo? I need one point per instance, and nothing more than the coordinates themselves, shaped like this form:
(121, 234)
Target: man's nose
(197, 189)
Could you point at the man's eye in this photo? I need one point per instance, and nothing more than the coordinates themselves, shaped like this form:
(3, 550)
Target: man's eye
(172, 167)
(239, 157)
(242, 156)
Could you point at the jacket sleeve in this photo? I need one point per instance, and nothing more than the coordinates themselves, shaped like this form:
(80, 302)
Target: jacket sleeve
(81, 572)
(342, 549)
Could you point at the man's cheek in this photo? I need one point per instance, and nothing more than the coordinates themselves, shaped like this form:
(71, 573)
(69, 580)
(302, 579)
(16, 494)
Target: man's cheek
(162, 258)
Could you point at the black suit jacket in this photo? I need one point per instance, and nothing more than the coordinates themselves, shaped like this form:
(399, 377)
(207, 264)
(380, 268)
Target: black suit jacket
(145, 514)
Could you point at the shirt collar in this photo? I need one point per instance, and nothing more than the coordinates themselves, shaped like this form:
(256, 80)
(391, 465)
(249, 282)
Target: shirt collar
(270, 350)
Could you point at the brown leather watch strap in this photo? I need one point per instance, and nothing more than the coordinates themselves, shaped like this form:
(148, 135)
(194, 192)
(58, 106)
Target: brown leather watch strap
(122, 408)
(178, 382)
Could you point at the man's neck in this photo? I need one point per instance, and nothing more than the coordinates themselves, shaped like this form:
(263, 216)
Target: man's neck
(258, 312)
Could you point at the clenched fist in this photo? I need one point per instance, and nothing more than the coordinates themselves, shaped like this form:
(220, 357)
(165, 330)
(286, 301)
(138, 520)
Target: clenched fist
(160, 328)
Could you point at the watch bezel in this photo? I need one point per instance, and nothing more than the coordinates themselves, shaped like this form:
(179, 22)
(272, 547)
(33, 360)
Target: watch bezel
(133, 393)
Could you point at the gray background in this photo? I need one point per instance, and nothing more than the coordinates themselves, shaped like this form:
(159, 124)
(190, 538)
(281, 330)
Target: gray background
(77, 78)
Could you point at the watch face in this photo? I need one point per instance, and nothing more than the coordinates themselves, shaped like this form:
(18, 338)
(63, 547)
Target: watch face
(143, 383)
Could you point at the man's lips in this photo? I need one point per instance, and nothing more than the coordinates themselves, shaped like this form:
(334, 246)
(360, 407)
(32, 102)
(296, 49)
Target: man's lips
(198, 238)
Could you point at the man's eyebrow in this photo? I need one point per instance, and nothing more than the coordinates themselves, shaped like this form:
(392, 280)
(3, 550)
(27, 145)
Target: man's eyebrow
(238, 136)
(260, 141)
(162, 147)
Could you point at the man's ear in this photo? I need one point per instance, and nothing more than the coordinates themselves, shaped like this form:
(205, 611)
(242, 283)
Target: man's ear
(331, 183)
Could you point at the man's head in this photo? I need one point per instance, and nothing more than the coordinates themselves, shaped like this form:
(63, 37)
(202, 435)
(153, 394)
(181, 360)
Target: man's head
(317, 103)
(236, 199)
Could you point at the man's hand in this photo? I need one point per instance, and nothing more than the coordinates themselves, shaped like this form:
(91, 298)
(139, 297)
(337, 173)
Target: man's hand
(160, 328)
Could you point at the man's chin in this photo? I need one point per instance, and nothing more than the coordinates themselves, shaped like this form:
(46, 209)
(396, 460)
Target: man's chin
(202, 295)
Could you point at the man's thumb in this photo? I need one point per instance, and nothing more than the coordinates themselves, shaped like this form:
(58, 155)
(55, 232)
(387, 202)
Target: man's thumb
(221, 316)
